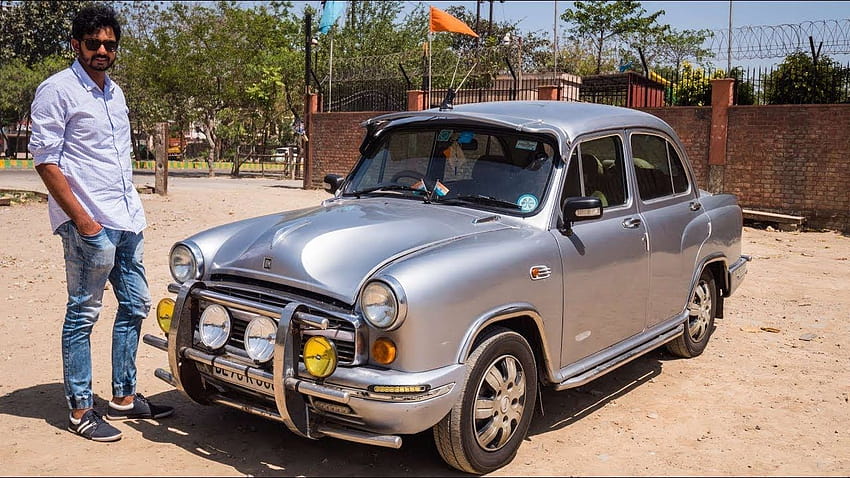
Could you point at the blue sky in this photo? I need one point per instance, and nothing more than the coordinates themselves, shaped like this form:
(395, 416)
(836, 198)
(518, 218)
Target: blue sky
(539, 15)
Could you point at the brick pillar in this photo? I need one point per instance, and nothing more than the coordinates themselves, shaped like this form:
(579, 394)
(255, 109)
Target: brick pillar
(721, 100)
(415, 100)
(547, 93)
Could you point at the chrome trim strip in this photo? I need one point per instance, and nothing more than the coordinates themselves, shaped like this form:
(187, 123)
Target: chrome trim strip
(357, 436)
(619, 361)
(238, 303)
(622, 348)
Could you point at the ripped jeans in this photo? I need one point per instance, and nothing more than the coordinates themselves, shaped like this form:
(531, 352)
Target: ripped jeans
(90, 261)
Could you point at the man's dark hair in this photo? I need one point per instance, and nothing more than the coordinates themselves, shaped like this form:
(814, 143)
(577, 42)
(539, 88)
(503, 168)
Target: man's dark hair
(92, 19)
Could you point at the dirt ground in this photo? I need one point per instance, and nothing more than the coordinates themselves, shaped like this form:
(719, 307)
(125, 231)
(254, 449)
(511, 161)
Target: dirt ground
(768, 397)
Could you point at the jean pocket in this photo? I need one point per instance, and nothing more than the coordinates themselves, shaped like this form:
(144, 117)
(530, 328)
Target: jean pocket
(95, 240)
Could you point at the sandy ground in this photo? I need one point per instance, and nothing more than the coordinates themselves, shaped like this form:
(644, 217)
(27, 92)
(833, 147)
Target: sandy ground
(768, 397)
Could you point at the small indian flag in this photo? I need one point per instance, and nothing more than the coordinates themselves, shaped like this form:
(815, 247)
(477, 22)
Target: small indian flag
(420, 185)
(441, 189)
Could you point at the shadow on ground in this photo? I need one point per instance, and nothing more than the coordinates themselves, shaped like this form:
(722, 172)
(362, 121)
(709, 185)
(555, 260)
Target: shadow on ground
(258, 447)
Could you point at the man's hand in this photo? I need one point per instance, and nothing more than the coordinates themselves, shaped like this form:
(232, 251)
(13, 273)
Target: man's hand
(58, 187)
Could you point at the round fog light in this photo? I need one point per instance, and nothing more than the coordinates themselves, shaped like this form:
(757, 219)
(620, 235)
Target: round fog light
(320, 357)
(164, 313)
(215, 326)
(259, 339)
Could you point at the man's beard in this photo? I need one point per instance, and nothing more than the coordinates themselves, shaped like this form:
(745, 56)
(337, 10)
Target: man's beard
(100, 66)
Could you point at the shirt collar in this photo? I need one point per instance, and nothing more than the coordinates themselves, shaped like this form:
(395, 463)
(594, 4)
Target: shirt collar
(88, 83)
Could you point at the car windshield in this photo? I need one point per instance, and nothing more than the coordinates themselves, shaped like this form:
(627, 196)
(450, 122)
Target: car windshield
(477, 167)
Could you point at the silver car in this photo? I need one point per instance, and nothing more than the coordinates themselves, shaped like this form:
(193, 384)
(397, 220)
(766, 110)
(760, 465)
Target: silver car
(471, 255)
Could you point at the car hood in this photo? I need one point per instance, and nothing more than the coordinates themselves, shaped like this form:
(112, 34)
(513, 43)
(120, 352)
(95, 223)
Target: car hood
(333, 249)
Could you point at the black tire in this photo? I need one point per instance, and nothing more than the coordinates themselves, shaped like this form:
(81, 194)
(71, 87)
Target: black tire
(501, 383)
(702, 309)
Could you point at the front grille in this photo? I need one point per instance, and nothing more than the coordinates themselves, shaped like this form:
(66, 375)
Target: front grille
(343, 332)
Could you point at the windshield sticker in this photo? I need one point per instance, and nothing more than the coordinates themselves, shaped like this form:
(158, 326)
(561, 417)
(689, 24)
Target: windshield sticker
(445, 135)
(465, 137)
(527, 202)
(526, 144)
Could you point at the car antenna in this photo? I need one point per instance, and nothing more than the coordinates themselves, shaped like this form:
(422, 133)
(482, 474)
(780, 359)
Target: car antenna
(448, 101)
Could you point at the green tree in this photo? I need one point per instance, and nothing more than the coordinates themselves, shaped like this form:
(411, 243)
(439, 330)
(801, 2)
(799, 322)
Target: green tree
(799, 80)
(40, 29)
(215, 65)
(601, 22)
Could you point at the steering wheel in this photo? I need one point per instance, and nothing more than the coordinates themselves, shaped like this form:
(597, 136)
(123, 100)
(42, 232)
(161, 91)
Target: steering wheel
(407, 173)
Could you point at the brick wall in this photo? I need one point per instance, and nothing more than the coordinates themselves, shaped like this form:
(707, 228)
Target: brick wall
(335, 139)
(789, 159)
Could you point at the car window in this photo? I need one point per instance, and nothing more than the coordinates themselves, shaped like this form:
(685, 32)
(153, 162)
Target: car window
(596, 169)
(486, 167)
(658, 168)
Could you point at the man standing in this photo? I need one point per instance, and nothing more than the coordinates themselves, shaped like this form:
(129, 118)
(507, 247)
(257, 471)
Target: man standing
(81, 145)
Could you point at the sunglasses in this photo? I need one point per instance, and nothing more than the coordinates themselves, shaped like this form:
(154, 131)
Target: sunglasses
(93, 44)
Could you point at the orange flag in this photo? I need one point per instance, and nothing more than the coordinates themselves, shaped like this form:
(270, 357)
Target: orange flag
(445, 22)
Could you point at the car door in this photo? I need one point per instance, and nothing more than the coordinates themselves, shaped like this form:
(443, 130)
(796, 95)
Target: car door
(674, 219)
(605, 260)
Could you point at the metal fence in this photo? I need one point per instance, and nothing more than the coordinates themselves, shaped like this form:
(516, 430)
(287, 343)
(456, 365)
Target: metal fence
(793, 82)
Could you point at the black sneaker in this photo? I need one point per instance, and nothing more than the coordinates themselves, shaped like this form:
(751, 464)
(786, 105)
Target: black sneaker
(142, 408)
(93, 427)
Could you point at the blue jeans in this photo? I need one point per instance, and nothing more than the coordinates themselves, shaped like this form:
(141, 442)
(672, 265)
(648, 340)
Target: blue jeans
(110, 255)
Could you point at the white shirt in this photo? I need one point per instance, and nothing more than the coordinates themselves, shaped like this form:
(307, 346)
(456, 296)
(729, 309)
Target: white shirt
(86, 132)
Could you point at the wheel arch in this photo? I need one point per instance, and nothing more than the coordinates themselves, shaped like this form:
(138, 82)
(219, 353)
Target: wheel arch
(719, 269)
(525, 321)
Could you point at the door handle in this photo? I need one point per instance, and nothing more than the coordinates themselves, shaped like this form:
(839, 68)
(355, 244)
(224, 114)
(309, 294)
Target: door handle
(631, 223)
(695, 206)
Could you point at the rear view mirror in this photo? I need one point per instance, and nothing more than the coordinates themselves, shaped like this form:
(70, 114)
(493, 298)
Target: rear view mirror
(333, 182)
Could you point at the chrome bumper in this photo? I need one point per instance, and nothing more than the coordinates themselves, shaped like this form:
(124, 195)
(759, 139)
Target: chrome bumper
(737, 273)
(377, 417)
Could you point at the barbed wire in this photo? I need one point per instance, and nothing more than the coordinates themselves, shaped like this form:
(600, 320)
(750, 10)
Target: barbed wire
(779, 41)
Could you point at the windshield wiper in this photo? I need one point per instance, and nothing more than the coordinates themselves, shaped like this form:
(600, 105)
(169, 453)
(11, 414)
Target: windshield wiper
(385, 187)
(480, 199)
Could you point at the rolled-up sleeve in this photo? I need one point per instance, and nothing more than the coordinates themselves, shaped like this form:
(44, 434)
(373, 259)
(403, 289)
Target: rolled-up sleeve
(48, 125)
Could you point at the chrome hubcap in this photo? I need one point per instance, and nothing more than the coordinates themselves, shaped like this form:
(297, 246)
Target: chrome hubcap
(699, 311)
(499, 403)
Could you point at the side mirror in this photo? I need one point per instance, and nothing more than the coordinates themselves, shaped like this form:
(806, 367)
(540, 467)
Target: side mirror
(333, 182)
(580, 209)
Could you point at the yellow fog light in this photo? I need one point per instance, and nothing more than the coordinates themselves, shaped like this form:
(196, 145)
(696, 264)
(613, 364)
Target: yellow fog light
(164, 312)
(383, 351)
(320, 356)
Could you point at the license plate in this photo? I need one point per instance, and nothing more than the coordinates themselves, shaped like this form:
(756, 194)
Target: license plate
(237, 378)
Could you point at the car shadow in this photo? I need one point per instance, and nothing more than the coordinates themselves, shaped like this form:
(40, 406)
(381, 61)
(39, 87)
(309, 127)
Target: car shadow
(259, 447)
(561, 409)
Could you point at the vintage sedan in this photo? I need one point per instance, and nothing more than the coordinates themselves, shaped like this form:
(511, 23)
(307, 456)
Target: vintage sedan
(471, 255)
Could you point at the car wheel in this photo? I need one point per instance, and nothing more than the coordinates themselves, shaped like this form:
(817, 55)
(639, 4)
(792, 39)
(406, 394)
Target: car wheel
(702, 307)
(486, 426)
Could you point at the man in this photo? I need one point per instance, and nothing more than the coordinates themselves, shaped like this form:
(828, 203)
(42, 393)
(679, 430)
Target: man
(81, 145)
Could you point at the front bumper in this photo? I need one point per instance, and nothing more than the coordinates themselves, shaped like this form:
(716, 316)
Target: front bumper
(341, 406)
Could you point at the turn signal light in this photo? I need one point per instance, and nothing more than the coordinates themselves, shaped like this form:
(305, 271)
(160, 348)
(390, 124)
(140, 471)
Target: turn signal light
(164, 313)
(383, 351)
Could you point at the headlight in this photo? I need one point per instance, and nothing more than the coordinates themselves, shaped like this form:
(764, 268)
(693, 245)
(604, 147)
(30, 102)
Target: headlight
(183, 263)
(215, 326)
(379, 305)
(259, 339)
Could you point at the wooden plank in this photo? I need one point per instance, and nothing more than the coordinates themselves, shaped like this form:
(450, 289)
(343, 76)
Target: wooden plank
(772, 217)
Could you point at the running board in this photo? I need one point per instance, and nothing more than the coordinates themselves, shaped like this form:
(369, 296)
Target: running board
(619, 360)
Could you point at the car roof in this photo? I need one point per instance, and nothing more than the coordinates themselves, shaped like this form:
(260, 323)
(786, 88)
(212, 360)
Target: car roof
(571, 118)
